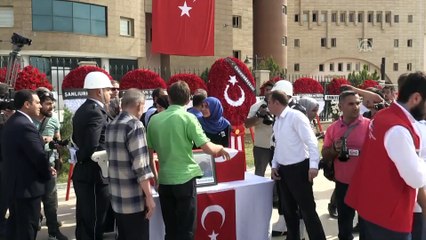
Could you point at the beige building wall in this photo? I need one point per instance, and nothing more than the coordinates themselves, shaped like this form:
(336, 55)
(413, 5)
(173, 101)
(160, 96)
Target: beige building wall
(387, 37)
(72, 44)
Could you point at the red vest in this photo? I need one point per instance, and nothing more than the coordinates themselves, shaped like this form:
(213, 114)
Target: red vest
(377, 191)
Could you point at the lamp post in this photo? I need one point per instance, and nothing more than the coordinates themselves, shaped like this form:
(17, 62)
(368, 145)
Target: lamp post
(256, 61)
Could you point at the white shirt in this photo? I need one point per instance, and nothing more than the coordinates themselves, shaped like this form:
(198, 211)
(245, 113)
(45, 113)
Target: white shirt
(263, 132)
(295, 140)
(97, 101)
(400, 147)
(26, 115)
(421, 126)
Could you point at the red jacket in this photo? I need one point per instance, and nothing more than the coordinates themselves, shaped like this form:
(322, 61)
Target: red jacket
(377, 191)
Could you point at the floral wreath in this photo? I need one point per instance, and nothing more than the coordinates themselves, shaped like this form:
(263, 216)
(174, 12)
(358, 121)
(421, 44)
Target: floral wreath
(194, 82)
(370, 83)
(333, 88)
(75, 78)
(142, 79)
(307, 85)
(28, 78)
(234, 94)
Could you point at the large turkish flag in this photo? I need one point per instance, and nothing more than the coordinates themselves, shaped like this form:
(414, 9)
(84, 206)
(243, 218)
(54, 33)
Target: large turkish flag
(216, 216)
(183, 27)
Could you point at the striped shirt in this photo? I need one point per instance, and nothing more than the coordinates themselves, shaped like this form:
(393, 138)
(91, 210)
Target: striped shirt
(128, 163)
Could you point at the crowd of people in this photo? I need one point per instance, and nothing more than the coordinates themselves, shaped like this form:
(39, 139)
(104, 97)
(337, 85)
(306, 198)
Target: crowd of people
(377, 159)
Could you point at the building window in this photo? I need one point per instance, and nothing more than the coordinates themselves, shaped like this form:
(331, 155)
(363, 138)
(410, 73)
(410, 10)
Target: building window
(396, 18)
(284, 41)
(296, 17)
(236, 21)
(64, 16)
(331, 67)
(360, 17)
(126, 27)
(296, 67)
(340, 67)
(395, 67)
(388, 17)
(236, 54)
(323, 42)
(379, 17)
(370, 17)
(321, 67)
(357, 66)
(6, 17)
(323, 17)
(349, 67)
(396, 43)
(314, 17)
(410, 43)
(409, 67)
(296, 42)
(410, 18)
(334, 17)
(342, 17)
(333, 42)
(284, 9)
(305, 17)
(351, 17)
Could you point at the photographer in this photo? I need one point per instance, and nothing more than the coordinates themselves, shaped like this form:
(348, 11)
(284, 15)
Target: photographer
(48, 127)
(342, 144)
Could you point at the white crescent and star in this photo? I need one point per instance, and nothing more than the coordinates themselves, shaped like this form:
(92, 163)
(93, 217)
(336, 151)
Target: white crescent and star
(212, 209)
(184, 9)
(213, 236)
(232, 80)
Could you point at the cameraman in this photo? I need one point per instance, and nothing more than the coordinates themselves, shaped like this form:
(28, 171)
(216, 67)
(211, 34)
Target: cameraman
(48, 127)
(260, 118)
(342, 144)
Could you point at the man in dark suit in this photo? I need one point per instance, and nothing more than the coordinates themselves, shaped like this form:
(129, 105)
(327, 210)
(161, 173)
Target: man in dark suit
(91, 188)
(26, 167)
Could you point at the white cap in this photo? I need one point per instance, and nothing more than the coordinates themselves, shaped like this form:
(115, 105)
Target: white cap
(285, 86)
(97, 80)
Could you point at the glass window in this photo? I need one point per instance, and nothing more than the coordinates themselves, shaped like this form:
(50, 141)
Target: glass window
(395, 67)
(81, 26)
(42, 7)
(42, 23)
(370, 17)
(63, 24)
(296, 67)
(396, 43)
(342, 17)
(98, 28)
(379, 17)
(388, 17)
(349, 67)
(323, 42)
(81, 10)
(323, 17)
(410, 18)
(305, 17)
(296, 17)
(97, 13)
(297, 42)
(360, 17)
(236, 21)
(396, 18)
(351, 17)
(321, 67)
(284, 9)
(6, 17)
(284, 41)
(334, 17)
(62, 9)
(314, 17)
(126, 27)
(333, 42)
(236, 54)
(410, 43)
(331, 67)
(409, 66)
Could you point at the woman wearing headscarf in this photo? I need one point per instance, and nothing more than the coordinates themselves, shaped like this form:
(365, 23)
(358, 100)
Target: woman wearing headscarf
(216, 127)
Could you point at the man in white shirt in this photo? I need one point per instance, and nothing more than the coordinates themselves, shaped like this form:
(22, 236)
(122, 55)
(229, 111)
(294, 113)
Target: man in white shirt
(295, 163)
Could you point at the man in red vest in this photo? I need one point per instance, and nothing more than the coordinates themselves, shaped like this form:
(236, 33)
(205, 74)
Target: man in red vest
(383, 187)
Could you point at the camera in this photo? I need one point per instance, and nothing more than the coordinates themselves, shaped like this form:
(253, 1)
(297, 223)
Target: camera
(268, 119)
(55, 143)
(380, 106)
(344, 153)
(20, 41)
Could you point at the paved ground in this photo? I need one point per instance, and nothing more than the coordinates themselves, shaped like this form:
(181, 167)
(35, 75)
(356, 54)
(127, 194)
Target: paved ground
(322, 189)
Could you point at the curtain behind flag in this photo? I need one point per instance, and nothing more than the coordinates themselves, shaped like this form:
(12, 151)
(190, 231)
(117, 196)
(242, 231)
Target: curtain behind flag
(182, 27)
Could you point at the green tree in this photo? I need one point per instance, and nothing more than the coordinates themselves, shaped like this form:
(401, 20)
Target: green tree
(205, 75)
(357, 78)
(66, 132)
(272, 66)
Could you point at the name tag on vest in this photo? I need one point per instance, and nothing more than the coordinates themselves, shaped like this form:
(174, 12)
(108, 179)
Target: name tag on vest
(353, 152)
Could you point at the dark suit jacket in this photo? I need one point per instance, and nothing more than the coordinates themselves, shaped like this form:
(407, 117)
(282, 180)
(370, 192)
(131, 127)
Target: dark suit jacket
(25, 164)
(89, 124)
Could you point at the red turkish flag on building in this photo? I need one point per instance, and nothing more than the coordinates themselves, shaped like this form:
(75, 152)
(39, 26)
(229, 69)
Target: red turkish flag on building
(183, 27)
(216, 216)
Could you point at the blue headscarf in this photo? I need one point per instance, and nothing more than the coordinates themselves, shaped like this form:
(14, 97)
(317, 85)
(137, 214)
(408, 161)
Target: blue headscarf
(215, 122)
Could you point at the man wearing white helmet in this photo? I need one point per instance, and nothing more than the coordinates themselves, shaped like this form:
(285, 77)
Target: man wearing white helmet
(91, 188)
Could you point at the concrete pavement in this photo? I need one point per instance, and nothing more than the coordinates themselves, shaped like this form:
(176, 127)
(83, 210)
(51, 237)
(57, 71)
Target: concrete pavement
(322, 191)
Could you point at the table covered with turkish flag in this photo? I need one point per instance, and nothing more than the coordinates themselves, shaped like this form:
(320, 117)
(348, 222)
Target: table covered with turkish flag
(236, 210)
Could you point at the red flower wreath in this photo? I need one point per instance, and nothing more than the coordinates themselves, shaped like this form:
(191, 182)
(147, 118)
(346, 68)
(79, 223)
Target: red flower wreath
(75, 78)
(370, 83)
(31, 78)
(3, 74)
(194, 81)
(142, 79)
(219, 85)
(307, 85)
(333, 88)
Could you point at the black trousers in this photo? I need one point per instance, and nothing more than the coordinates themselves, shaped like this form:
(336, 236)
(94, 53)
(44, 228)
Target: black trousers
(262, 157)
(23, 219)
(179, 209)
(346, 214)
(375, 232)
(419, 227)
(297, 194)
(93, 201)
(132, 226)
(50, 206)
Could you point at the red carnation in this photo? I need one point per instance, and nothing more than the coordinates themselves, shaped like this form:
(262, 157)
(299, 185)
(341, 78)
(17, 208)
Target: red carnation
(370, 83)
(307, 85)
(3, 74)
(75, 78)
(219, 86)
(194, 81)
(142, 79)
(31, 78)
(333, 88)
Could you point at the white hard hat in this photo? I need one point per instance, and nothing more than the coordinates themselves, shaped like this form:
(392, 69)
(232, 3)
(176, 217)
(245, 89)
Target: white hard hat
(285, 86)
(97, 80)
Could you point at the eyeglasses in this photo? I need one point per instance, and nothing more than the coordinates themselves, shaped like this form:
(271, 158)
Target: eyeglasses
(114, 89)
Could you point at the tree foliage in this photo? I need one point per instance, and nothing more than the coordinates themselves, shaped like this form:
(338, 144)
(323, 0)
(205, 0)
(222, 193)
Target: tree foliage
(357, 78)
(272, 66)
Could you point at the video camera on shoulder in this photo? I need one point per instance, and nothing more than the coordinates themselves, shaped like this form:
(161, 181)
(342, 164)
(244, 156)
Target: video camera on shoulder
(268, 119)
